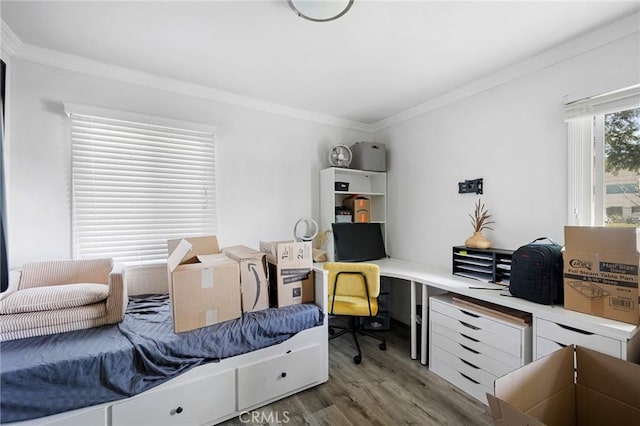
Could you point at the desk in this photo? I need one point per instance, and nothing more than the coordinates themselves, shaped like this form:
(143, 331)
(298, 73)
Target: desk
(442, 278)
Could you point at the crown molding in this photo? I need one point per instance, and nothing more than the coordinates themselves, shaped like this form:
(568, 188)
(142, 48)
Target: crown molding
(12, 46)
(79, 64)
(9, 41)
(600, 37)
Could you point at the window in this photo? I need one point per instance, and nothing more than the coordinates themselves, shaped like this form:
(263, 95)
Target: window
(622, 188)
(604, 159)
(138, 181)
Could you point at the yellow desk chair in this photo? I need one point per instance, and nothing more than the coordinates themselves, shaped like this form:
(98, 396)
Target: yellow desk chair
(353, 293)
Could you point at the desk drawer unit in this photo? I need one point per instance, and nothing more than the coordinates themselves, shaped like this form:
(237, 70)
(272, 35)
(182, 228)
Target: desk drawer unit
(470, 348)
(553, 335)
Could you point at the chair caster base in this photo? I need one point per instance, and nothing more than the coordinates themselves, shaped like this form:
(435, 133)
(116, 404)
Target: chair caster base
(383, 346)
(357, 359)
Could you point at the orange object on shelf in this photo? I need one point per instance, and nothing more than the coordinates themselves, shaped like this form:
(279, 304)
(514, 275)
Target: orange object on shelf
(360, 207)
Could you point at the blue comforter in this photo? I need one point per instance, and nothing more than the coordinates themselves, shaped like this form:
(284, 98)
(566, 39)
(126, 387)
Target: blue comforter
(45, 375)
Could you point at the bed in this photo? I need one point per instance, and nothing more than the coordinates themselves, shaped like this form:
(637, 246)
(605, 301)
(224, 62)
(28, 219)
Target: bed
(139, 372)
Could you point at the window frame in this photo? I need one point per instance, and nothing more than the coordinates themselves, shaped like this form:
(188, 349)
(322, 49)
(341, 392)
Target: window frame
(585, 153)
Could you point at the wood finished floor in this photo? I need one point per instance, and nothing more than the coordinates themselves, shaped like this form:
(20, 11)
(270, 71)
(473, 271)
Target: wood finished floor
(387, 388)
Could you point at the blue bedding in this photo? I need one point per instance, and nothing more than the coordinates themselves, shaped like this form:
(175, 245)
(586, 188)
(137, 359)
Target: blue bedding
(45, 375)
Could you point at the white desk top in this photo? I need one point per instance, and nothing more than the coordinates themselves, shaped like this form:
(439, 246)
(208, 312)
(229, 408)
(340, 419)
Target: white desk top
(444, 279)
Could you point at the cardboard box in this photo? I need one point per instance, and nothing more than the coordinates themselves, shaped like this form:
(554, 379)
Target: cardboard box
(290, 272)
(603, 391)
(601, 272)
(254, 279)
(360, 208)
(204, 284)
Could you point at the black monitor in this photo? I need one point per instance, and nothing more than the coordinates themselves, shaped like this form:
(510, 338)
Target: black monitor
(358, 242)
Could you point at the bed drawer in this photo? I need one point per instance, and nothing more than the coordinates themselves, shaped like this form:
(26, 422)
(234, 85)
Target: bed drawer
(80, 417)
(273, 377)
(565, 335)
(192, 403)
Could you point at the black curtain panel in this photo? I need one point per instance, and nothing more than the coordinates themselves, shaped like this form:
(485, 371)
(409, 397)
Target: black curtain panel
(4, 267)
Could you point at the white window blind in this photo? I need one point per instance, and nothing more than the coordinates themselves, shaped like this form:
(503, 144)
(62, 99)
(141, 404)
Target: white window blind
(138, 181)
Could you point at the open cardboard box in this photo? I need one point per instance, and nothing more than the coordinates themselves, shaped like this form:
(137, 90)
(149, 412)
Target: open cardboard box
(603, 391)
(204, 284)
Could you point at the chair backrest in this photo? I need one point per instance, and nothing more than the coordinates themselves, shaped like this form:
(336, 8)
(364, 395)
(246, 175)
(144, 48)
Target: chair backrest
(40, 274)
(351, 279)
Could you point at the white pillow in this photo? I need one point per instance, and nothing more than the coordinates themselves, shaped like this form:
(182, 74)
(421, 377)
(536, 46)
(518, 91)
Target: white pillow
(53, 297)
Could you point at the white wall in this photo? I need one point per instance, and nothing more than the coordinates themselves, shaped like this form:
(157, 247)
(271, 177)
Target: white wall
(513, 136)
(267, 165)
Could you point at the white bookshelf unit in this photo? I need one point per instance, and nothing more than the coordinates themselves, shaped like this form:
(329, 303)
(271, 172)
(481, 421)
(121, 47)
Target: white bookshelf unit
(372, 185)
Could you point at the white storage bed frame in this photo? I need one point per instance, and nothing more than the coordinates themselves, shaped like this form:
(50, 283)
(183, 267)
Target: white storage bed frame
(215, 392)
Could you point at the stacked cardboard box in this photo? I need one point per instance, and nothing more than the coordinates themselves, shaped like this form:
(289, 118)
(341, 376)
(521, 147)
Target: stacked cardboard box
(601, 271)
(290, 272)
(254, 280)
(204, 284)
(360, 208)
(561, 389)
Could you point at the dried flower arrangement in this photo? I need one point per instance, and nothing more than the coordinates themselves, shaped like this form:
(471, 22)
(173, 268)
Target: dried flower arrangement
(322, 237)
(480, 219)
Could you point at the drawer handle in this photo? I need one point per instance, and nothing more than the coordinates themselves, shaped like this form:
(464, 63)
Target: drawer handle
(469, 364)
(469, 378)
(470, 314)
(177, 411)
(577, 330)
(473, 327)
(560, 344)
(283, 374)
(469, 338)
(469, 349)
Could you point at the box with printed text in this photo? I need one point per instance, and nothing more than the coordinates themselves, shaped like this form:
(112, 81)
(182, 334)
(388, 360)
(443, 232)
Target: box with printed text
(290, 272)
(601, 271)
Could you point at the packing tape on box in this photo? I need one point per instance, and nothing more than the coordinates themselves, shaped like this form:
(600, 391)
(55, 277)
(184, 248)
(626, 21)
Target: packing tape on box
(206, 278)
(294, 271)
(211, 316)
(294, 278)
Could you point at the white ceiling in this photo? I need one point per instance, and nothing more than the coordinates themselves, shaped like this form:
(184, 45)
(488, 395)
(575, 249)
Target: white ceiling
(381, 58)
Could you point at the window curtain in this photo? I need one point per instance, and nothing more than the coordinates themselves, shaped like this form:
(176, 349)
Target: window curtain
(4, 267)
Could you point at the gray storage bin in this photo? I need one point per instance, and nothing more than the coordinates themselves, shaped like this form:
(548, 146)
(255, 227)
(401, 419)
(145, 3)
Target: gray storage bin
(369, 156)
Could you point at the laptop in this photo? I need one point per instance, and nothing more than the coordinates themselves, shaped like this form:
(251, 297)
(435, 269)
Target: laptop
(358, 242)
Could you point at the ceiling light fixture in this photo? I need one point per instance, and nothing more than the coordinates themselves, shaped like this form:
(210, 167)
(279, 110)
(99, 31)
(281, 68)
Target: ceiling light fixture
(320, 10)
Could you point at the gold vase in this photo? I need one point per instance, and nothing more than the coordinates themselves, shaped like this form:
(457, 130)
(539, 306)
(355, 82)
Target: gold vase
(477, 240)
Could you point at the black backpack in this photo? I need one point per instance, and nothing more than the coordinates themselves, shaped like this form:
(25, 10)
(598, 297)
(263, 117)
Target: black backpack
(536, 273)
